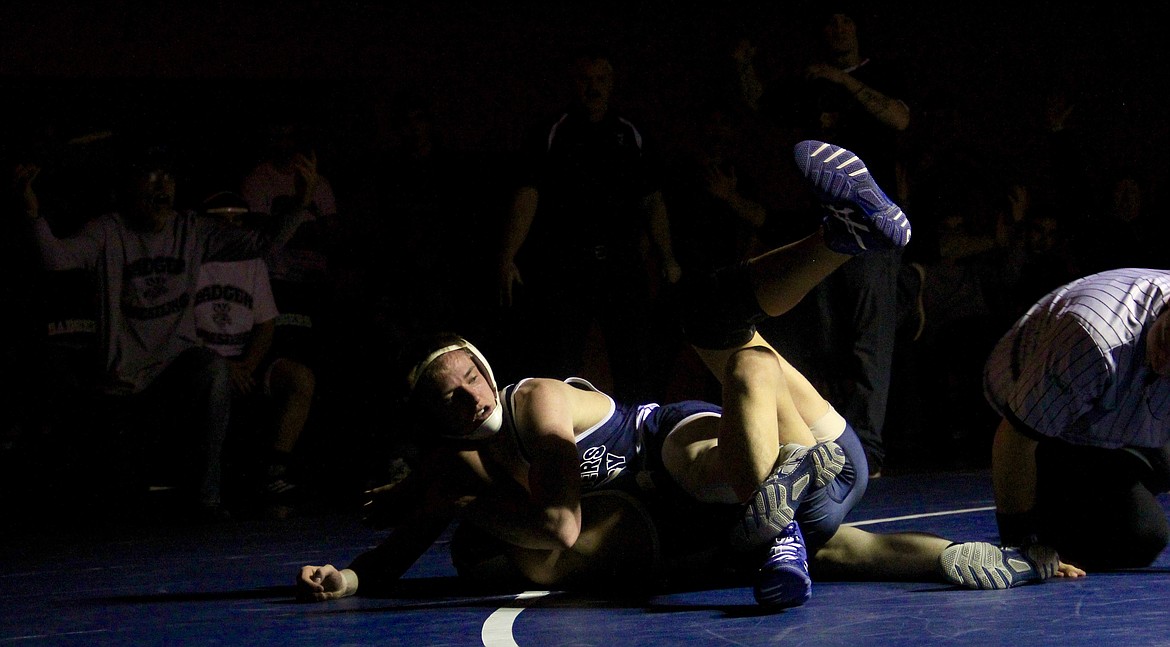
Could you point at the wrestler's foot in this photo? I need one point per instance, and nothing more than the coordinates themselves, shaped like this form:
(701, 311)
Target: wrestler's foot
(859, 216)
(773, 505)
(829, 459)
(980, 565)
(783, 580)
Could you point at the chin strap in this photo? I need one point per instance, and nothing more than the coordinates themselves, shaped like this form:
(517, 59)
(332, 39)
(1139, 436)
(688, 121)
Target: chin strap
(491, 425)
(495, 421)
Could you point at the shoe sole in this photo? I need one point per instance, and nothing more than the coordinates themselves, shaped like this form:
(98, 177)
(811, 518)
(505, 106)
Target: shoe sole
(828, 460)
(841, 178)
(783, 581)
(979, 565)
(788, 587)
(774, 504)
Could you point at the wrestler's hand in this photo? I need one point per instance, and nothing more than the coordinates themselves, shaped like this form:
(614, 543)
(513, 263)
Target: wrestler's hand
(321, 583)
(1068, 570)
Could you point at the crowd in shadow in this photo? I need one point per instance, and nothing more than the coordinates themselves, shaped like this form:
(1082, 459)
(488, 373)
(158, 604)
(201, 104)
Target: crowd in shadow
(559, 258)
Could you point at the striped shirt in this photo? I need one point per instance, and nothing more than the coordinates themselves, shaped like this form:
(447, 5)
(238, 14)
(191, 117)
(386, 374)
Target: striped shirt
(1074, 366)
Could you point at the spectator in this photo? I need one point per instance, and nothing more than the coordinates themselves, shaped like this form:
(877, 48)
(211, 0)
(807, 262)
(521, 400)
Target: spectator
(316, 301)
(716, 215)
(1123, 232)
(429, 200)
(300, 270)
(589, 195)
(235, 316)
(858, 102)
(147, 258)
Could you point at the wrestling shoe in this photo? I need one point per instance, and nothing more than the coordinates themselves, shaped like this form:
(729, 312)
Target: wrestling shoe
(773, 506)
(980, 565)
(859, 216)
(783, 581)
(829, 459)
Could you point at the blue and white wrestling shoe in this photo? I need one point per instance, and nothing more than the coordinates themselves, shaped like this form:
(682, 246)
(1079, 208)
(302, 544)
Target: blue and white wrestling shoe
(829, 460)
(773, 506)
(859, 216)
(783, 581)
(980, 565)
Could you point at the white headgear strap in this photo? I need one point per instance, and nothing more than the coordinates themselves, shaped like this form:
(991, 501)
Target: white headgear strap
(495, 421)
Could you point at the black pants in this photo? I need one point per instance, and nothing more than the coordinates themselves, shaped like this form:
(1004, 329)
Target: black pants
(174, 430)
(1098, 507)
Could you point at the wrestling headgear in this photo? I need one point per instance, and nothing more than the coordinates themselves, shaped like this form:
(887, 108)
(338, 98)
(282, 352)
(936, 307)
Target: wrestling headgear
(495, 421)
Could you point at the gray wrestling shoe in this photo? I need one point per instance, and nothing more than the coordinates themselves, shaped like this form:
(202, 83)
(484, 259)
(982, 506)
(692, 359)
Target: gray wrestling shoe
(859, 215)
(774, 504)
(829, 459)
(980, 565)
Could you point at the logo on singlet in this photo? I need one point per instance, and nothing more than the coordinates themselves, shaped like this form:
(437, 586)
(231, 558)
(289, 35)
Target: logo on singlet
(599, 467)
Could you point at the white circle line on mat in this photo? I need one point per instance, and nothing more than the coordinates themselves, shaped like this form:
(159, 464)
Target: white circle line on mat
(870, 522)
(497, 629)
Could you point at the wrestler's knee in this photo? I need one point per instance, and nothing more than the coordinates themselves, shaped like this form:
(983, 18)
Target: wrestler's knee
(754, 366)
(1146, 543)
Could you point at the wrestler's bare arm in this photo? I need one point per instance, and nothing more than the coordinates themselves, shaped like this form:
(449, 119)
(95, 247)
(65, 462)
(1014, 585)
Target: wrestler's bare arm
(543, 511)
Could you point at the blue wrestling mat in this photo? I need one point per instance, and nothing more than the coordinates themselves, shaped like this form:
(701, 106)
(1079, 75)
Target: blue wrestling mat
(231, 585)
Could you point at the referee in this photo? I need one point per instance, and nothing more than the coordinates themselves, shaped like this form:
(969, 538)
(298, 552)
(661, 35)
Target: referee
(1081, 382)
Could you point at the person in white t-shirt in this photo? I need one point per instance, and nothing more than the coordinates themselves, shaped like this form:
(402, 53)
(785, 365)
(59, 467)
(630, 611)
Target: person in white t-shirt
(158, 381)
(287, 179)
(236, 316)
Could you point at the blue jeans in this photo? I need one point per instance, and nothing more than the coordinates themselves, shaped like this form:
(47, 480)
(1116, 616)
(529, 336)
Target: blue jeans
(186, 410)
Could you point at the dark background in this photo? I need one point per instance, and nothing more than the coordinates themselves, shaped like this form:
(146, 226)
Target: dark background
(492, 68)
(205, 76)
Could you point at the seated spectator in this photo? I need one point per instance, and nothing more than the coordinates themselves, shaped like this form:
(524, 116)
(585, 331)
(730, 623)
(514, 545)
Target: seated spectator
(312, 302)
(236, 316)
(158, 384)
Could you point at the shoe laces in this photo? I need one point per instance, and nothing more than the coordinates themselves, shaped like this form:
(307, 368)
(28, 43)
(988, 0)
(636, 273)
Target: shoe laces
(787, 546)
(787, 464)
